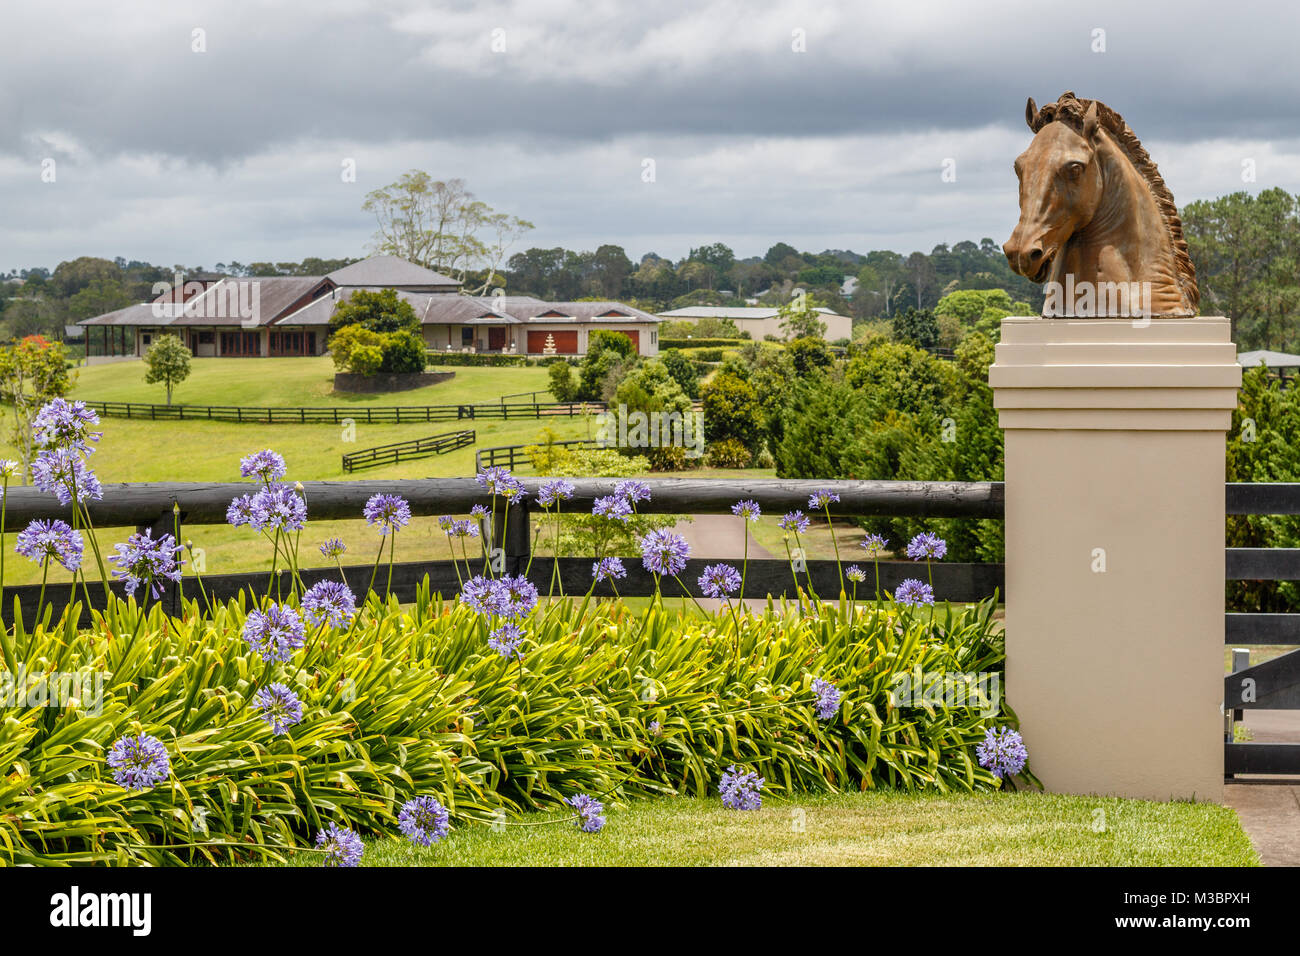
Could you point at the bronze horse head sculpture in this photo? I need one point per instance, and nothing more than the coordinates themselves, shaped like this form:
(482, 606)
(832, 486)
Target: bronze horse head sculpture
(1094, 211)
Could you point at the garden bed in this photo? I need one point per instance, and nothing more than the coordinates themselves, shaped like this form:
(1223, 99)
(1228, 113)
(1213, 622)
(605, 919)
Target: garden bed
(388, 382)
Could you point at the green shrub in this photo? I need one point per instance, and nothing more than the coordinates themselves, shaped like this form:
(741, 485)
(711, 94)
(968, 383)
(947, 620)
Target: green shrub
(404, 353)
(564, 386)
(731, 410)
(413, 702)
(729, 453)
(478, 359)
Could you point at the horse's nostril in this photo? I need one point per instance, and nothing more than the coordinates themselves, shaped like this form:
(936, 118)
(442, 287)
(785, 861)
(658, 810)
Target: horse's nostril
(1035, 254)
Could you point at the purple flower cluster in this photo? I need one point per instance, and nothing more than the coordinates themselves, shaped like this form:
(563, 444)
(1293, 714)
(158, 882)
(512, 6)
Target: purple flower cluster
(424, 821)
(279, 706)
(719, 580)
(275, 633)
(506, 640)
(874, 545)
(329, 602)
(607, 568)
(499, 481)
(266, 466)
(822, 498)
(554, 490)
(828, 697)
(664, 552)
(139, 762)
(795, 521)
(590, 818)
(143, 560)
(278, 507)
(612, 507)
(64, 424)
(342, 846)
(926, 545)
(44, 541)
(855, 574)
(913, 592)
(507, 596)
(333, 547)
(1003, 752)
(458, 527)
(747, 509)
(632, 489)
(63, 473)
(740, 790)
(388, 512)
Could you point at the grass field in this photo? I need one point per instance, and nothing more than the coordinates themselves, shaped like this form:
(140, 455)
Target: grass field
(885, 828)
(293, 382)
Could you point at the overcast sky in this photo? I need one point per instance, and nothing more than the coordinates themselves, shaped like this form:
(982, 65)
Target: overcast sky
(174, 156)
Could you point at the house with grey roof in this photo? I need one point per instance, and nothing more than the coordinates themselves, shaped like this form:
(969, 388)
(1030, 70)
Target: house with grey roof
(231, 317)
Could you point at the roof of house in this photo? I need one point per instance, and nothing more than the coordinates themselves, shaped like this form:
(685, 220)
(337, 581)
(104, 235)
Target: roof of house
(586, 312)
(1269, 358)
(250, 302)
(141, 313)
(730, 312)
(389, 272)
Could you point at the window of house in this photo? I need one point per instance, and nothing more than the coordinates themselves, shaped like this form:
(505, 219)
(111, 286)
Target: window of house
(466, 336)
(206, 338)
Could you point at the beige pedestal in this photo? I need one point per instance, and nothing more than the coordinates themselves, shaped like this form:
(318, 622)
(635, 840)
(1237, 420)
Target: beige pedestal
(1115, 549)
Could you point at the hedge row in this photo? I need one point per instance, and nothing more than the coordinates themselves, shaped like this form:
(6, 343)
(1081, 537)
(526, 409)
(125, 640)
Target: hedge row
(701, 343)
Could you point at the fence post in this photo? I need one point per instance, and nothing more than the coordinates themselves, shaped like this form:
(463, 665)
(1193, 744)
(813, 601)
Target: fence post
(1115, 562)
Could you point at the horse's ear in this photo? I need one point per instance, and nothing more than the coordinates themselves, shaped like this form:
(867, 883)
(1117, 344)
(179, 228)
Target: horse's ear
(1090, 123)
(1031, 110)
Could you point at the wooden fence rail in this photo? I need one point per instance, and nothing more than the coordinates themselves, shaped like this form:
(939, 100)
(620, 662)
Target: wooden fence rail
(515, 456)
(338, 415)
(407, 450)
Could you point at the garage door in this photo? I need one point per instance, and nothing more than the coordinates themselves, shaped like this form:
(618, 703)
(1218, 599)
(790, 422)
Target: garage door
(566, 341)
(634, 335)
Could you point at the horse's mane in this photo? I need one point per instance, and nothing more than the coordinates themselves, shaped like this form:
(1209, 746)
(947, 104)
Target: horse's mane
(1071, 111)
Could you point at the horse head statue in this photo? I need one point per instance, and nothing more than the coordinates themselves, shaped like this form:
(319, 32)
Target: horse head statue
(1095, 214)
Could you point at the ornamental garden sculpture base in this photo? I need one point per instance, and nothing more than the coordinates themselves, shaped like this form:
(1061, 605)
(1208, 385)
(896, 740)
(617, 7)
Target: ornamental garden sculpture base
(1115, 433)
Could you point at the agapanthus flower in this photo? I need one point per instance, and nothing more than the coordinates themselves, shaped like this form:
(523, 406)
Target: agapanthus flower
(64, 424)
(462, 528)
(612, 507)
(556, 489)
(518, 595)
(1003, 752)
(506, 641)
(482, 595)
(142, 559)
(655, 728)
(329, 602)
(512, 489)
(333, 548)
(389, 512)
(279, 707)
(278, 507)
(266, 466)
(445, 522)
(55, 540)
(240, 512)
(747, 509)
(828, 698)
(60, 471)
(740, 789)
(607, 568)
(795, 521)
(719, 580)
(423, 820)
(913, 592)
(855, 574)
(821, 498)
(591, 812)
(633, 490)
(9, 468)
(479, 512)
(874, 545)
(494, 480)
(664, 552)
(275, 634)
(342, 846)
(926, 545)
(139, 762)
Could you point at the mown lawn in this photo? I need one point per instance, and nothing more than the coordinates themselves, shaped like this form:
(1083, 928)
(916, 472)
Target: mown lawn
(871, 829)
(294, 381)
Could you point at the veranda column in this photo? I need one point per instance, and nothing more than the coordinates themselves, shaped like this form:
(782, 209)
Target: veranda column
(1115, 433)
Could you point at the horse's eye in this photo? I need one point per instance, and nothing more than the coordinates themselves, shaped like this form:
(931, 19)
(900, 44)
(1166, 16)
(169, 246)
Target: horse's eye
(1074, 170)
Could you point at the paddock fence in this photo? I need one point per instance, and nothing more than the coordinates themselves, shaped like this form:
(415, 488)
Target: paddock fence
(392, 453)
(340, 415)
